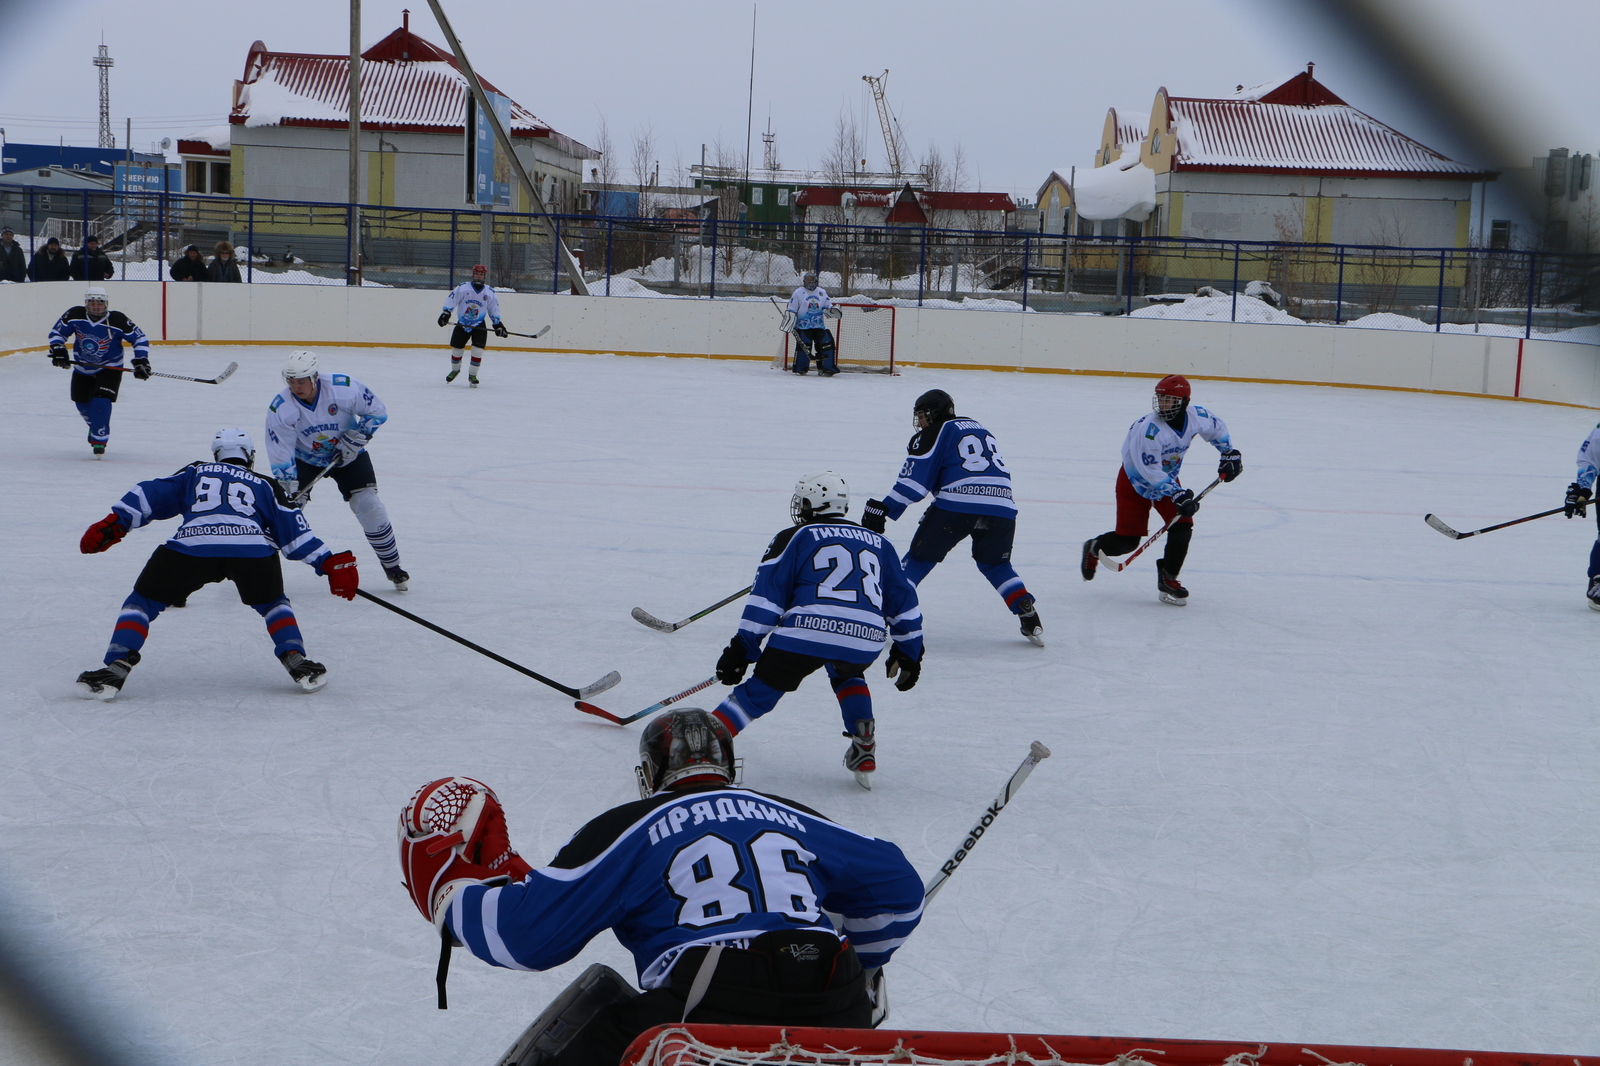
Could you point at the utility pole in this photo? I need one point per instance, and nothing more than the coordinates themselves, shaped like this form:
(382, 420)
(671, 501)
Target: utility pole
(105, 63)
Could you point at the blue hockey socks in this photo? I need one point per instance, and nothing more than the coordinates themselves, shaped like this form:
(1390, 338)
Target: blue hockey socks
(855, 699)
(133, 625)
(97, 416)
(282, 626)
(746, 703)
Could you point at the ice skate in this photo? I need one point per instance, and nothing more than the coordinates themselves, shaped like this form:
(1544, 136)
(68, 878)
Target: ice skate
(106, 682)
(455, 372)
(1032, 628)
(861, 759)
(1090, 561)
(1170, 588)
(1594, 594)
(472, 381)
(398, 576)
(98, 447)
(307, 674)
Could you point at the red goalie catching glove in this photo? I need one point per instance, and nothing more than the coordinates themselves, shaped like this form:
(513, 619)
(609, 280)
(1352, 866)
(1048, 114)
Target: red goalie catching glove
(102, 535)
(453, 833)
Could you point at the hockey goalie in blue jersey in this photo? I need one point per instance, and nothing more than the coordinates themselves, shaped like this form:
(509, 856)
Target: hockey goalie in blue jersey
(97, 335)
(232, 527)
(831, 594)
(957, 462)
(721, 894)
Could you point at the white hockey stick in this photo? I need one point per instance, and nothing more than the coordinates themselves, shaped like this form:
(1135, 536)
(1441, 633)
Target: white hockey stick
(530, 336)
(644, 617)
(1037, 753)
(1116, 563)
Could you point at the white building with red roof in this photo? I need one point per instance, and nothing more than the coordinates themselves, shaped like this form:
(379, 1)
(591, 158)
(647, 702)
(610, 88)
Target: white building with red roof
(290, 127)
(906, 206)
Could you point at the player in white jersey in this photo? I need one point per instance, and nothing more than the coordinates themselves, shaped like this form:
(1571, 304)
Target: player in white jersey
(1578, 495)
(1152, 454)
(476, 308)
(320, 424)
(806, 318)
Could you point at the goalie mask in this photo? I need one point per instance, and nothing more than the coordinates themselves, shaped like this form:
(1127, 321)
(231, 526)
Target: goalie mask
(233, 444)
(933, 408)
(690, 746)
(1171, 398)
(809, 281)
(823, 495)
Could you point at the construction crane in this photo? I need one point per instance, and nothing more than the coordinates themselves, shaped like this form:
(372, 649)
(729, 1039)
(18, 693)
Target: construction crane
(891, 143)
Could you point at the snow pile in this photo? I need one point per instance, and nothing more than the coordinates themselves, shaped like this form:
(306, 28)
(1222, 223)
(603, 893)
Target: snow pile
(268, 103)
(1220, 308)
(1125, 189)
(218, 137)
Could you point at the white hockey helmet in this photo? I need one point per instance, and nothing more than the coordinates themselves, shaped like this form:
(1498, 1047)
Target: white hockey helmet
(301, 364)
(233, 443)
(823, 495)
(93, 293)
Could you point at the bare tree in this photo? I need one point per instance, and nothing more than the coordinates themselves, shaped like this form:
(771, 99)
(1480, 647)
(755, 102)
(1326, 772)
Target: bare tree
(842, 161)
(605, 169)
(642, 162)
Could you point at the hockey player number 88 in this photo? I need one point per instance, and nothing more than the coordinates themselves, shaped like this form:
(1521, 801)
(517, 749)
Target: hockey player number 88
(843, 565)
(208, 496)
(702, 875)
(972, 457)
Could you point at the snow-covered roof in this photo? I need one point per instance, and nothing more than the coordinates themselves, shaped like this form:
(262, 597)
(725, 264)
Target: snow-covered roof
(213, 140)
(1125, 189)
(932, 199)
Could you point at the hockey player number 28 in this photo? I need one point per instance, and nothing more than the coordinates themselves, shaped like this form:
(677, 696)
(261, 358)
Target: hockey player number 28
(208, 496)
(702, 875)
(838, 559)
(972, 457)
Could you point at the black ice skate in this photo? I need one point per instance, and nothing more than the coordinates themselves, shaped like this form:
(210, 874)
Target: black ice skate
(1090, 561)
(307, 674)
(398, 576)
(454, 373)
(105, 683)
(1170, 588)
(98, 447)
(472, 381)
(1032, 628)
(1594, 594)
(861, 759)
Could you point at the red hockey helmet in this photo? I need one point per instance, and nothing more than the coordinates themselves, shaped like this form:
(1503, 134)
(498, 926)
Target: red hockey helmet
(480, 269)
(1172, 397)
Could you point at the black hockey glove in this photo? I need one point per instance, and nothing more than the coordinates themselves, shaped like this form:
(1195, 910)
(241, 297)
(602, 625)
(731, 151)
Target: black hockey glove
(1187, 505)
(141, 369)
(875, 515)
(444, 318)
(903, 668)
(59, 357)
(1577, 502)
(1232, 465)
(732, 664)
(501, 331)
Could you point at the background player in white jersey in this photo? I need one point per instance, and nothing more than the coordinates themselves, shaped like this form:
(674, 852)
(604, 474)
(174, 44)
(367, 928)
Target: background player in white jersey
(322, 422)
(1577, 503)
(957, 461)
(233, 526)
(806, 319)
(831, 594)
(476, 308)
(97, 334)
(719, 893)
(1152, 454)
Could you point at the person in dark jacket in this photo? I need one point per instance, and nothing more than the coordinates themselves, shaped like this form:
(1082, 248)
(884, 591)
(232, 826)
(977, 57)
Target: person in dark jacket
(224, 267)
(50, 263)
(89, 263)
(13, 267)
(189, 266)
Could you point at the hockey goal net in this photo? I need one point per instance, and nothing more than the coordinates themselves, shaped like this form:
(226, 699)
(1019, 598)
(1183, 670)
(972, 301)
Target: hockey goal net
(864, 335)
(745, 1045)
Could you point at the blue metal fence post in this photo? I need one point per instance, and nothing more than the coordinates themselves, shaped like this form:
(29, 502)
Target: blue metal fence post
(1533, 261)
(452, 279)
(1025, 250)
(816, 257)
(555, 259)
(161, 233)
(1438, 304)
(1127, 288)
(250, 235)
(711, 292)
(1338, 294)
(84, 237)
(922, 264)
(1233, 313)
(33, 225)
(610, 229)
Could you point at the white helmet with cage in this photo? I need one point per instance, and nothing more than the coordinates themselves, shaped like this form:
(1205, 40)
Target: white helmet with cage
(301, 364)
(823, 495)
(233, 443)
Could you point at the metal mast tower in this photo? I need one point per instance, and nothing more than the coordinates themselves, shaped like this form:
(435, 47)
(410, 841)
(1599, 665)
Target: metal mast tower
(891, 146)
(105, 63)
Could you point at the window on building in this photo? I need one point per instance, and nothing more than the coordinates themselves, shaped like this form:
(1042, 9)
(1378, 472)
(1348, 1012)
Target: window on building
(1155, 143)
(1500, 233)
(222, 179)
(1085, 227)
(1105, 156)
(755, 194)
(783, 197)
(194, 176)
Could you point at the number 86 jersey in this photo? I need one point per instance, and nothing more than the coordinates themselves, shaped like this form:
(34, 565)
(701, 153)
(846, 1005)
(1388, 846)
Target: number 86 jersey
(959, 463)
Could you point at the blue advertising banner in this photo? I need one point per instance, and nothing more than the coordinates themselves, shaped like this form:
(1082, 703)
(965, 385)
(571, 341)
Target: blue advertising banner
(134, 180)
(491, 170)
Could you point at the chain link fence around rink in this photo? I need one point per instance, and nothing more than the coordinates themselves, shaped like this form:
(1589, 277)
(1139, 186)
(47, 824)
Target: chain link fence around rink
(1503, 291)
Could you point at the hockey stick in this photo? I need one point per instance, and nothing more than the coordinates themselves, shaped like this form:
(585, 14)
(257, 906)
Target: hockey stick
(302, 495)
(218, 380)
(1037, 753)
(530, 336)
(644, 617)
(1434, 521)
(609, 681)
(589, 708)
(1115, 564)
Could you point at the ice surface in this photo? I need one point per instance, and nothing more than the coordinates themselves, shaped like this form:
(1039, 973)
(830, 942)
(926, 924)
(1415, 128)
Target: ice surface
(1348, 795)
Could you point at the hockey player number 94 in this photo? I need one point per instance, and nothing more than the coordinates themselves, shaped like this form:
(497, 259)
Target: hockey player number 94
(702, 875)
(839, 560)
(972, 454)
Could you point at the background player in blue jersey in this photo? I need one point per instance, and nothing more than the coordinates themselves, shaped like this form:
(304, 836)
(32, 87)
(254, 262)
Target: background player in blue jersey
(718, 892)
(831, 594)
(233, 527)
(96, 335)
(806, 319)
(958, 462)
(476, 307)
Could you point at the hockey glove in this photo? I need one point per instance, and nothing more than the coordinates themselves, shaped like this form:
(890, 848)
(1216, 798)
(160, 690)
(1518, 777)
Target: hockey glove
(1187, 505)
(501, 331)
(343, 578)
(444, 318)
(102, 535)
(141, 369)
(902, 668)
(452, 834)
(59, 357)
(1232, 465)
(350, 445)
(733, 662)
(1577, 502)
(787, 325)
(874, 515)
(833, 312)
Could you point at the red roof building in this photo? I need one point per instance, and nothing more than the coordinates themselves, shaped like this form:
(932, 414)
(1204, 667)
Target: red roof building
(826, 204)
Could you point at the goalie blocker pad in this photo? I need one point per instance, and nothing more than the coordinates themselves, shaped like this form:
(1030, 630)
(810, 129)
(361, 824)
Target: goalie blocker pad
(595, 989)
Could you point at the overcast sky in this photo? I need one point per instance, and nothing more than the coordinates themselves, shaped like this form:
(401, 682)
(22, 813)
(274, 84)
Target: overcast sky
(1021, 85)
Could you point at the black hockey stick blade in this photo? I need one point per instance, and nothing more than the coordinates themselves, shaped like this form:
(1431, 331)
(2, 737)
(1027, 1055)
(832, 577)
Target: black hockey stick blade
(645, 618)
(1037, 753)
(589, 708)
(607, 682)
(1436, 523)
(530, 336)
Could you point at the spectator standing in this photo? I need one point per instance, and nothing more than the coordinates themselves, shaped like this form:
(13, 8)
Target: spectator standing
(224, 267)
(89, 263)
(13, 267)
(189, 266)
(50, 263)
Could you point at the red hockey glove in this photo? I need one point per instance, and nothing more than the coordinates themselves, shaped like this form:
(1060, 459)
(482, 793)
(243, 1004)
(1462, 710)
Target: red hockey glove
(340, 570)
(451, 832)
(102, 535)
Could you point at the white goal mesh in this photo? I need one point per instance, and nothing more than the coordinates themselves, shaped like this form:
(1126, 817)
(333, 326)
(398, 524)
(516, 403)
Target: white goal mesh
(864, 335)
